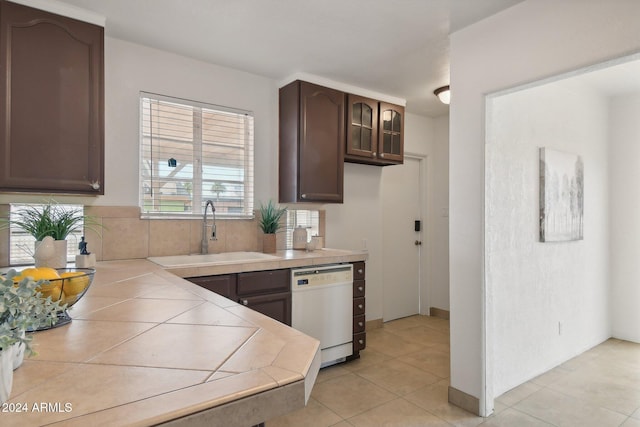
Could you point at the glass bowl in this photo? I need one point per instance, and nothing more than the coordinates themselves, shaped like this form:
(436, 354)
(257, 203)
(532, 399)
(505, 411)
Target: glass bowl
(68, 288)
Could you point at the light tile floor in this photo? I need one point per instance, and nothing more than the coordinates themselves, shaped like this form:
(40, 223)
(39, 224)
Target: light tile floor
(401, 379)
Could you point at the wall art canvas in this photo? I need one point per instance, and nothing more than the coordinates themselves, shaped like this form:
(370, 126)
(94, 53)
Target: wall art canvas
(561, 196)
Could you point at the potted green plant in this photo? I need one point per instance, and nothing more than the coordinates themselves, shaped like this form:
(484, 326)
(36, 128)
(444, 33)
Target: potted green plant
(51, 223)
(270, 216)
(22, 309)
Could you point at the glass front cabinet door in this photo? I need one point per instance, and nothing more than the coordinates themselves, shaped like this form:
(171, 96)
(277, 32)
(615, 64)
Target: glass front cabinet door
(362, 135)
(391, 134)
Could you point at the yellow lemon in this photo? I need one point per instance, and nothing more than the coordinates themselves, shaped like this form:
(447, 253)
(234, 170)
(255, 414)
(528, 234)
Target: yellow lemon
(40, 273)
(54, 292)
(75, 282)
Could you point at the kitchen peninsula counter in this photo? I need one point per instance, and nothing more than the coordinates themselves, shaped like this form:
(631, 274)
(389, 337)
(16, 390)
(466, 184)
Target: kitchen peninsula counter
(146, 347)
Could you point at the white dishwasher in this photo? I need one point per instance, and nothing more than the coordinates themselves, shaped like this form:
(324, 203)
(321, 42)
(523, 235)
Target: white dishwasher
(322, 307)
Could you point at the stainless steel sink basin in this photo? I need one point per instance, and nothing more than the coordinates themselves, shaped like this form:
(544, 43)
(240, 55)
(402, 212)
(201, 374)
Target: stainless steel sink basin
(210, 259)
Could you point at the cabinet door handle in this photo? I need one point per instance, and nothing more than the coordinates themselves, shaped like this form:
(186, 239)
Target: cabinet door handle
(245, 302)
(360, 288)
(360, 342)
(360, 271)
(381, 154)
(304, 196)
(360, 306)
(360, 324)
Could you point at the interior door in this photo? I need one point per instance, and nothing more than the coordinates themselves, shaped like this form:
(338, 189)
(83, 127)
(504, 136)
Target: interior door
(402, 195)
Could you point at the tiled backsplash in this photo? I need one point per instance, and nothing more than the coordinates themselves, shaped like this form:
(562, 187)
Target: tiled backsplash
(125, 235)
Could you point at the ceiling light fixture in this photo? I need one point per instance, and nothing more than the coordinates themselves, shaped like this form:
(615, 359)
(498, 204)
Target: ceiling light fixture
(443, 94)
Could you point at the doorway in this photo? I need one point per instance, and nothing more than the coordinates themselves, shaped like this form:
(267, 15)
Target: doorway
(402, 248)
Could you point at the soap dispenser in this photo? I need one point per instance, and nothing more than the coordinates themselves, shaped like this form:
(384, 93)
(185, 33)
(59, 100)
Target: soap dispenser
(300, 238)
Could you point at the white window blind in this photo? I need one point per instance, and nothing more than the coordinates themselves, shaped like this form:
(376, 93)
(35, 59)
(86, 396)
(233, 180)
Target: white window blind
(192, 152)
(304, 218)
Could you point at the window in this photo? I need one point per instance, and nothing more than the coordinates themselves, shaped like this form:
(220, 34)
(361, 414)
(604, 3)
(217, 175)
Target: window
(191, 152)
(303, 218)
(22, 244)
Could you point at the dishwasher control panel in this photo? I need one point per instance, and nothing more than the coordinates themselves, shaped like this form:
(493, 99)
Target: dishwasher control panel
(323, 275)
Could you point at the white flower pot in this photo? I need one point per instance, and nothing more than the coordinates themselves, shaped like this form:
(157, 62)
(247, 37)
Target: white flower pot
(6, 373)
(50, 253)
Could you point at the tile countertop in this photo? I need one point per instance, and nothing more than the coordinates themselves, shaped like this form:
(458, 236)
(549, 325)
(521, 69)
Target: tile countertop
(146, 347)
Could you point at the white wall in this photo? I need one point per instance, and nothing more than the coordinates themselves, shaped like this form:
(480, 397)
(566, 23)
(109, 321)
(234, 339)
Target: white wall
(549, 301)
(625, 216)
(131, 68)
(439, 216)
(359, 219)
(529, 41)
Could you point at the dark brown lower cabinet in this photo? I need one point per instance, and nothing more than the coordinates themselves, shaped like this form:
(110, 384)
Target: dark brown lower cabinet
(268, 292)
(359, 307)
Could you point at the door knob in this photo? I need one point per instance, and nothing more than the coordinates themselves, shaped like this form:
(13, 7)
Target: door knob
(418, 243)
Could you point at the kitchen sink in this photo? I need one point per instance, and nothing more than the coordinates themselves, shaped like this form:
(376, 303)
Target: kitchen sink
(195, 260)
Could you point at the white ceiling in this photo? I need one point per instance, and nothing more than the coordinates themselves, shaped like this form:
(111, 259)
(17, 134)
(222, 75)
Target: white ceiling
(396, 47)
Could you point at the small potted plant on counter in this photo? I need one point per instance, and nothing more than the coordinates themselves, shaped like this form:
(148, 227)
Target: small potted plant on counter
(50, 224)
(270, 216)
(22, 309)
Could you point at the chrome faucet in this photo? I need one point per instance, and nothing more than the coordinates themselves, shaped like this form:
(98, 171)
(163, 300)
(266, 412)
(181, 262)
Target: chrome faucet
(204, 246)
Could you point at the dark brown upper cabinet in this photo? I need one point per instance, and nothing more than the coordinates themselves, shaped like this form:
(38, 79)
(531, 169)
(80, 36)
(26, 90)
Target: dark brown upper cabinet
(376, 139)
(312, 143)
(51, 103)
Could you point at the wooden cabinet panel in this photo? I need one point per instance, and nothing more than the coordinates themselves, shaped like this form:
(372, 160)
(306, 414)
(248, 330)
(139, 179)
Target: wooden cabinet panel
(358, 306)
(358, 288)
(312, 139)
(224, 285)
(277, 306)
(359, 309)
(51, 102)
(262, 282)
(358, 270)
(358, 324)
(359, 343)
